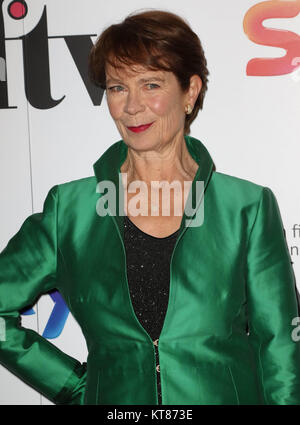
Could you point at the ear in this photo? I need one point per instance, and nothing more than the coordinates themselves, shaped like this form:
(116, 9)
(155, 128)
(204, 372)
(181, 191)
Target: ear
(194, 89)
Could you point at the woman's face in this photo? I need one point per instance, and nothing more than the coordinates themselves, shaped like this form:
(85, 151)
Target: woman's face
(147, 106)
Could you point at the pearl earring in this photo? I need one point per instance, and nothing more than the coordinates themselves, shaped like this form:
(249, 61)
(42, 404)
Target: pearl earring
(188, 109)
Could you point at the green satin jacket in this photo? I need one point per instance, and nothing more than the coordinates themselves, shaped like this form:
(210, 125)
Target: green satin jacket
(227, 337)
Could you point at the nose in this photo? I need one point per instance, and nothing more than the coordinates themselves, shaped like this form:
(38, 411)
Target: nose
(134, 103)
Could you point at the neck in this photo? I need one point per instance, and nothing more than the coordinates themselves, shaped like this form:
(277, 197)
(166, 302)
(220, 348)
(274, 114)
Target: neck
(168, 162)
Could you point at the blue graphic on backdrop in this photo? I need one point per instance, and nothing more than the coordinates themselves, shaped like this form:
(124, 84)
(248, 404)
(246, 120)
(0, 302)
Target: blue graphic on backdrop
(57, 319)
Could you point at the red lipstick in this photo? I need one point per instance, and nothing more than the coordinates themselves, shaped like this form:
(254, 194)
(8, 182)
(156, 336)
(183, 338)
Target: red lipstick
(140, 128)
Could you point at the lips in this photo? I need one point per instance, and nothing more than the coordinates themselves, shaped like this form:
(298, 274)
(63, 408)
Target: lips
(140, 128)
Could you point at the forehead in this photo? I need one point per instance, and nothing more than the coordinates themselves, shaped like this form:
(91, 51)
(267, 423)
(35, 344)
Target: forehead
(135, 71)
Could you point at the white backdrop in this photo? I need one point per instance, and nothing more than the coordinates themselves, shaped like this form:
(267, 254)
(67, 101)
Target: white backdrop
(250, 123)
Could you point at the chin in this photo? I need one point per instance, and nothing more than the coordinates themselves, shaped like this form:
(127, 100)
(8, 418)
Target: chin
(139, 142)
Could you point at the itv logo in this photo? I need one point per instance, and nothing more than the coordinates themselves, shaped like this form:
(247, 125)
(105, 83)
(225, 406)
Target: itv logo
(36, 65)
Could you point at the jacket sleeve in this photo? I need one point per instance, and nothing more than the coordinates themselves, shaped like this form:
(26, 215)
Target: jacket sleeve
(27, 269)
(272, 303)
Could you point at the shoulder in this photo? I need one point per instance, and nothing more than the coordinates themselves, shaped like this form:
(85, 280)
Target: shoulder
(233, 193)
(77, 189)
(235, 197)
(236, 187)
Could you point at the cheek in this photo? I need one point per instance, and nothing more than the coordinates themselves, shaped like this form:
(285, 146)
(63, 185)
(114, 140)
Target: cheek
(161, 106)
(115, 109)
(166, 106)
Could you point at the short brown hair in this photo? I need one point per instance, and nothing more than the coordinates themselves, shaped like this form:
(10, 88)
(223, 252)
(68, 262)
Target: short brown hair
(157, 40)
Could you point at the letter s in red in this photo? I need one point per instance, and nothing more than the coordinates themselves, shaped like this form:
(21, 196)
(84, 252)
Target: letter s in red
(260, 34)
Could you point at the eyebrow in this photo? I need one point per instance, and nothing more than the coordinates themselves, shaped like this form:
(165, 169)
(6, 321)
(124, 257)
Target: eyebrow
(145, 80)
(141, 80)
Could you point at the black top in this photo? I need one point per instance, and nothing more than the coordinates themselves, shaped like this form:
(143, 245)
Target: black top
(148, 274)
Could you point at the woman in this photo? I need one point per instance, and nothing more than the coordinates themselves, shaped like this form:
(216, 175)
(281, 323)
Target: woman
(175, 308)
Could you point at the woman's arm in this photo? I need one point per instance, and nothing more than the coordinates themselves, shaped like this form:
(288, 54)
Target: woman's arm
(272, 305)
(27, 269)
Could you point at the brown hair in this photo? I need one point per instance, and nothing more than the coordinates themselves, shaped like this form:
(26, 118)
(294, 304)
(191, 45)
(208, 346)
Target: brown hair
(157, 40)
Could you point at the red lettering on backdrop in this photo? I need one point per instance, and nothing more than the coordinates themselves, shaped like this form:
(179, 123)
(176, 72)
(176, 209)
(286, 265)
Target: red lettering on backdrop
(259, 34)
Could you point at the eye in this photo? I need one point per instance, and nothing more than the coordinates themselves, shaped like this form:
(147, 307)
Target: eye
(115, 89)
(152, 86)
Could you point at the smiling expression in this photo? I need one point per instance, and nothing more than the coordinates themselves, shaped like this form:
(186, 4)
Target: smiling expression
(147, 106)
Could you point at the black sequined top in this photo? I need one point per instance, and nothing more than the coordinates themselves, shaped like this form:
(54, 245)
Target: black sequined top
(148, 274)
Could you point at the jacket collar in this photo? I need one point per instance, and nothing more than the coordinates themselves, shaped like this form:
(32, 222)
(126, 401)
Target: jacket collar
(108, 167)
